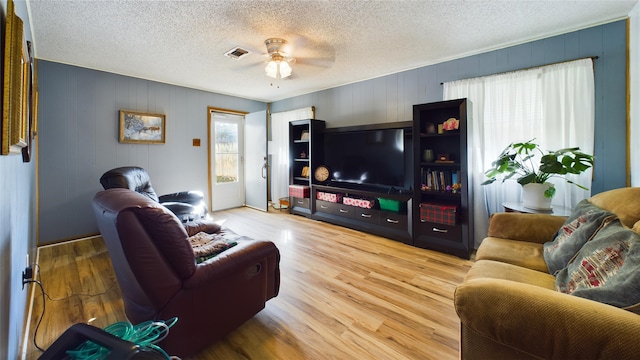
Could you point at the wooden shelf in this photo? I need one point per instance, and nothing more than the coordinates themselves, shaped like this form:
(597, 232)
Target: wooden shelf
(458, 239)
(311, 147)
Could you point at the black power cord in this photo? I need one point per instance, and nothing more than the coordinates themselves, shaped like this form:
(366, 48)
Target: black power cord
(37, 282)
(35, 333)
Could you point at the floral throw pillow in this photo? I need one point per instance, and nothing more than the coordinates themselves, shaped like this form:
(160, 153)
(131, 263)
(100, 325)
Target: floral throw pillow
(584, 222)
(606, 269)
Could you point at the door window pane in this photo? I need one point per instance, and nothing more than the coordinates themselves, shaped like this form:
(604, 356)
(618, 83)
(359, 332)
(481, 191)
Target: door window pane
(226, 150)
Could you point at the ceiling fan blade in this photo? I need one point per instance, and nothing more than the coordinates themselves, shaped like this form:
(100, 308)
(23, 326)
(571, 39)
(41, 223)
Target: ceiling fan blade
(316, 62)
(248, 66)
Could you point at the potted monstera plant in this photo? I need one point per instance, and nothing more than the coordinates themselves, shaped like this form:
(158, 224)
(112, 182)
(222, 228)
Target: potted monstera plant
(532, 167)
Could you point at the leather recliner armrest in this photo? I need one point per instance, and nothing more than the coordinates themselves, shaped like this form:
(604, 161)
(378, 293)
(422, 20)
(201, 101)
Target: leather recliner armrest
(190, 197)
(201, 225)
(182, 210)
(185, 203)
(243, 256)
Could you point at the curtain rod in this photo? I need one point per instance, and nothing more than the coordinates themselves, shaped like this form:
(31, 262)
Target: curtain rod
(539, 66)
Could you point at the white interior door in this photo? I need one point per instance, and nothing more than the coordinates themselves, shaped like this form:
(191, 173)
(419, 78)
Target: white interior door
(256, 166)
(227, 155)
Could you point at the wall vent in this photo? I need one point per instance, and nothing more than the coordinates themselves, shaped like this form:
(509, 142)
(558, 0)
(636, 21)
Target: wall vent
(237, 53)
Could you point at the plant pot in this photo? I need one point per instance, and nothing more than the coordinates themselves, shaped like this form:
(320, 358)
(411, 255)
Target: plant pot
(533, 196)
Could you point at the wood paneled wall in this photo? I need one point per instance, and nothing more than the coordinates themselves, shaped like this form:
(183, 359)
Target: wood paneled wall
(78, 133)
(78, 123)
(17, 226)
(391, 98)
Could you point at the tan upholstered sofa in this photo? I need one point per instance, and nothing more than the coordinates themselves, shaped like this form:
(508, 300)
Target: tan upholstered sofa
(509, 307)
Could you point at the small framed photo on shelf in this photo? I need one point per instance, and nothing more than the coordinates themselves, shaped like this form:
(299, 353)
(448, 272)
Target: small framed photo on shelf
(444, 159)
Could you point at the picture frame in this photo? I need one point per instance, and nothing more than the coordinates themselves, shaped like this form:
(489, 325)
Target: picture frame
(141, 127)
(29, 108)
(15, 103)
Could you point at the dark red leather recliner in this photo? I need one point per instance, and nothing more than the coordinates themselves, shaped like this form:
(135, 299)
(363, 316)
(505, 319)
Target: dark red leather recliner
(187, 205)
(159, 278)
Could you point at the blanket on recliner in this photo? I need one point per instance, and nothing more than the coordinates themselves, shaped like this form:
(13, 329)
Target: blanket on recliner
(205, 246)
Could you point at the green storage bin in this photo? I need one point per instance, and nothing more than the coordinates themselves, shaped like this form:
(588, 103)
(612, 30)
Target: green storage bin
(389, 205)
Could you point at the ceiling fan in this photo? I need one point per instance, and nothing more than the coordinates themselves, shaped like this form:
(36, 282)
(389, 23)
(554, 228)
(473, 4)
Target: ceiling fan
(279, 64)
(278, 57)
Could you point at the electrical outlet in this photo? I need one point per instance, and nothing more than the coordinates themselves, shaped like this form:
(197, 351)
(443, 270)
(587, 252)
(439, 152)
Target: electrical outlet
(27, 274)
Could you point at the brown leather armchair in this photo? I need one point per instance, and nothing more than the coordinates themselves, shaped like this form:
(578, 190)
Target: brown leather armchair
(159, 278)
(187, 205)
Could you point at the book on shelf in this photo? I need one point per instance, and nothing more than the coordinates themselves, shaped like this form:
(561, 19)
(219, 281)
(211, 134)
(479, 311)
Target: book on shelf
(439, 180)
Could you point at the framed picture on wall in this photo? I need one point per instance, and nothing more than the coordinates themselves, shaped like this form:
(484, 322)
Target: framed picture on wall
(14, 102)
(141, 128)
(29, 102)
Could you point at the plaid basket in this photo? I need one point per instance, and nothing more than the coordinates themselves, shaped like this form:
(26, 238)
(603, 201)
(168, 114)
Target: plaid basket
(439, 213)
(299, 191)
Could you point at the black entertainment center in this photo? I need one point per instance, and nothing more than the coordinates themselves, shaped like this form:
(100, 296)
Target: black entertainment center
(372, 177)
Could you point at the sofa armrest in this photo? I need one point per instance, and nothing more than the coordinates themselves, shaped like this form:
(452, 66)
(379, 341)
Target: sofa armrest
(546, 323)
(538, 228)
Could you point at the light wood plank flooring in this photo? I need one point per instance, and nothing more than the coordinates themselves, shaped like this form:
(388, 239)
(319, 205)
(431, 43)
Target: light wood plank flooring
(344, 294)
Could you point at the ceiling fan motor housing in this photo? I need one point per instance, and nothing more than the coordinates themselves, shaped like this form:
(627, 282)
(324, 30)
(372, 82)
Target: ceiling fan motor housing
(274, 45)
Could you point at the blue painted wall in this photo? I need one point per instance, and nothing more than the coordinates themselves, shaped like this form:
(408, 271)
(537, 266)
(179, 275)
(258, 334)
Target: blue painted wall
(17, 229)
(78, 130)
(391, 98)
(78, 136)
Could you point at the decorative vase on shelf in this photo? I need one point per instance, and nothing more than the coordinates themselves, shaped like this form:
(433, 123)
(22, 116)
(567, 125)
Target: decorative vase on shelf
(428, 155)
(533, 196)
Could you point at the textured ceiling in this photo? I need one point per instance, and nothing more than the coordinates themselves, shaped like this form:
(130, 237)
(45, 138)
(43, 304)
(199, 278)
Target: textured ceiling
(335, 42)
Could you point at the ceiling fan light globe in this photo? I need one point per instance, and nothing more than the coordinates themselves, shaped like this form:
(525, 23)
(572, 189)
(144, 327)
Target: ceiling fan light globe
(285, 69)
(278, 69)
(272, 69)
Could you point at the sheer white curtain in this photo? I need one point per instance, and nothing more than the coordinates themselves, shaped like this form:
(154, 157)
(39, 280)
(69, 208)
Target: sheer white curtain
(553, 104)
(279, 148)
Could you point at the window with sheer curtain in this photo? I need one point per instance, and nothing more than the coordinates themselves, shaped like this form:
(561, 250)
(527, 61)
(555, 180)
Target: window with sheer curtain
(552, 104)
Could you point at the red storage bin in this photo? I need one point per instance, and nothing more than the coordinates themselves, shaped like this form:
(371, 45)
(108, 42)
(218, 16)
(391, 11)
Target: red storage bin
(299, 191)
(361, 203)
(445, 214)
(329, 197)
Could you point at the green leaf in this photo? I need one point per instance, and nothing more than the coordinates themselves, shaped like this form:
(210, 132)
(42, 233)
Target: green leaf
(518, 161)
(529, 178)
(550, 192)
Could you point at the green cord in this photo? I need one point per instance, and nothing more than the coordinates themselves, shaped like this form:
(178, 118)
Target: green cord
(146, 334)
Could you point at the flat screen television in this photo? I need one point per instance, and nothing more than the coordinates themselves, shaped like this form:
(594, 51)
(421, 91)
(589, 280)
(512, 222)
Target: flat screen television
(368, 159)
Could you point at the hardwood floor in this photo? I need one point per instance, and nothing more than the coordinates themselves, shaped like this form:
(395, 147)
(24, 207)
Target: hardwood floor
(344, 294)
